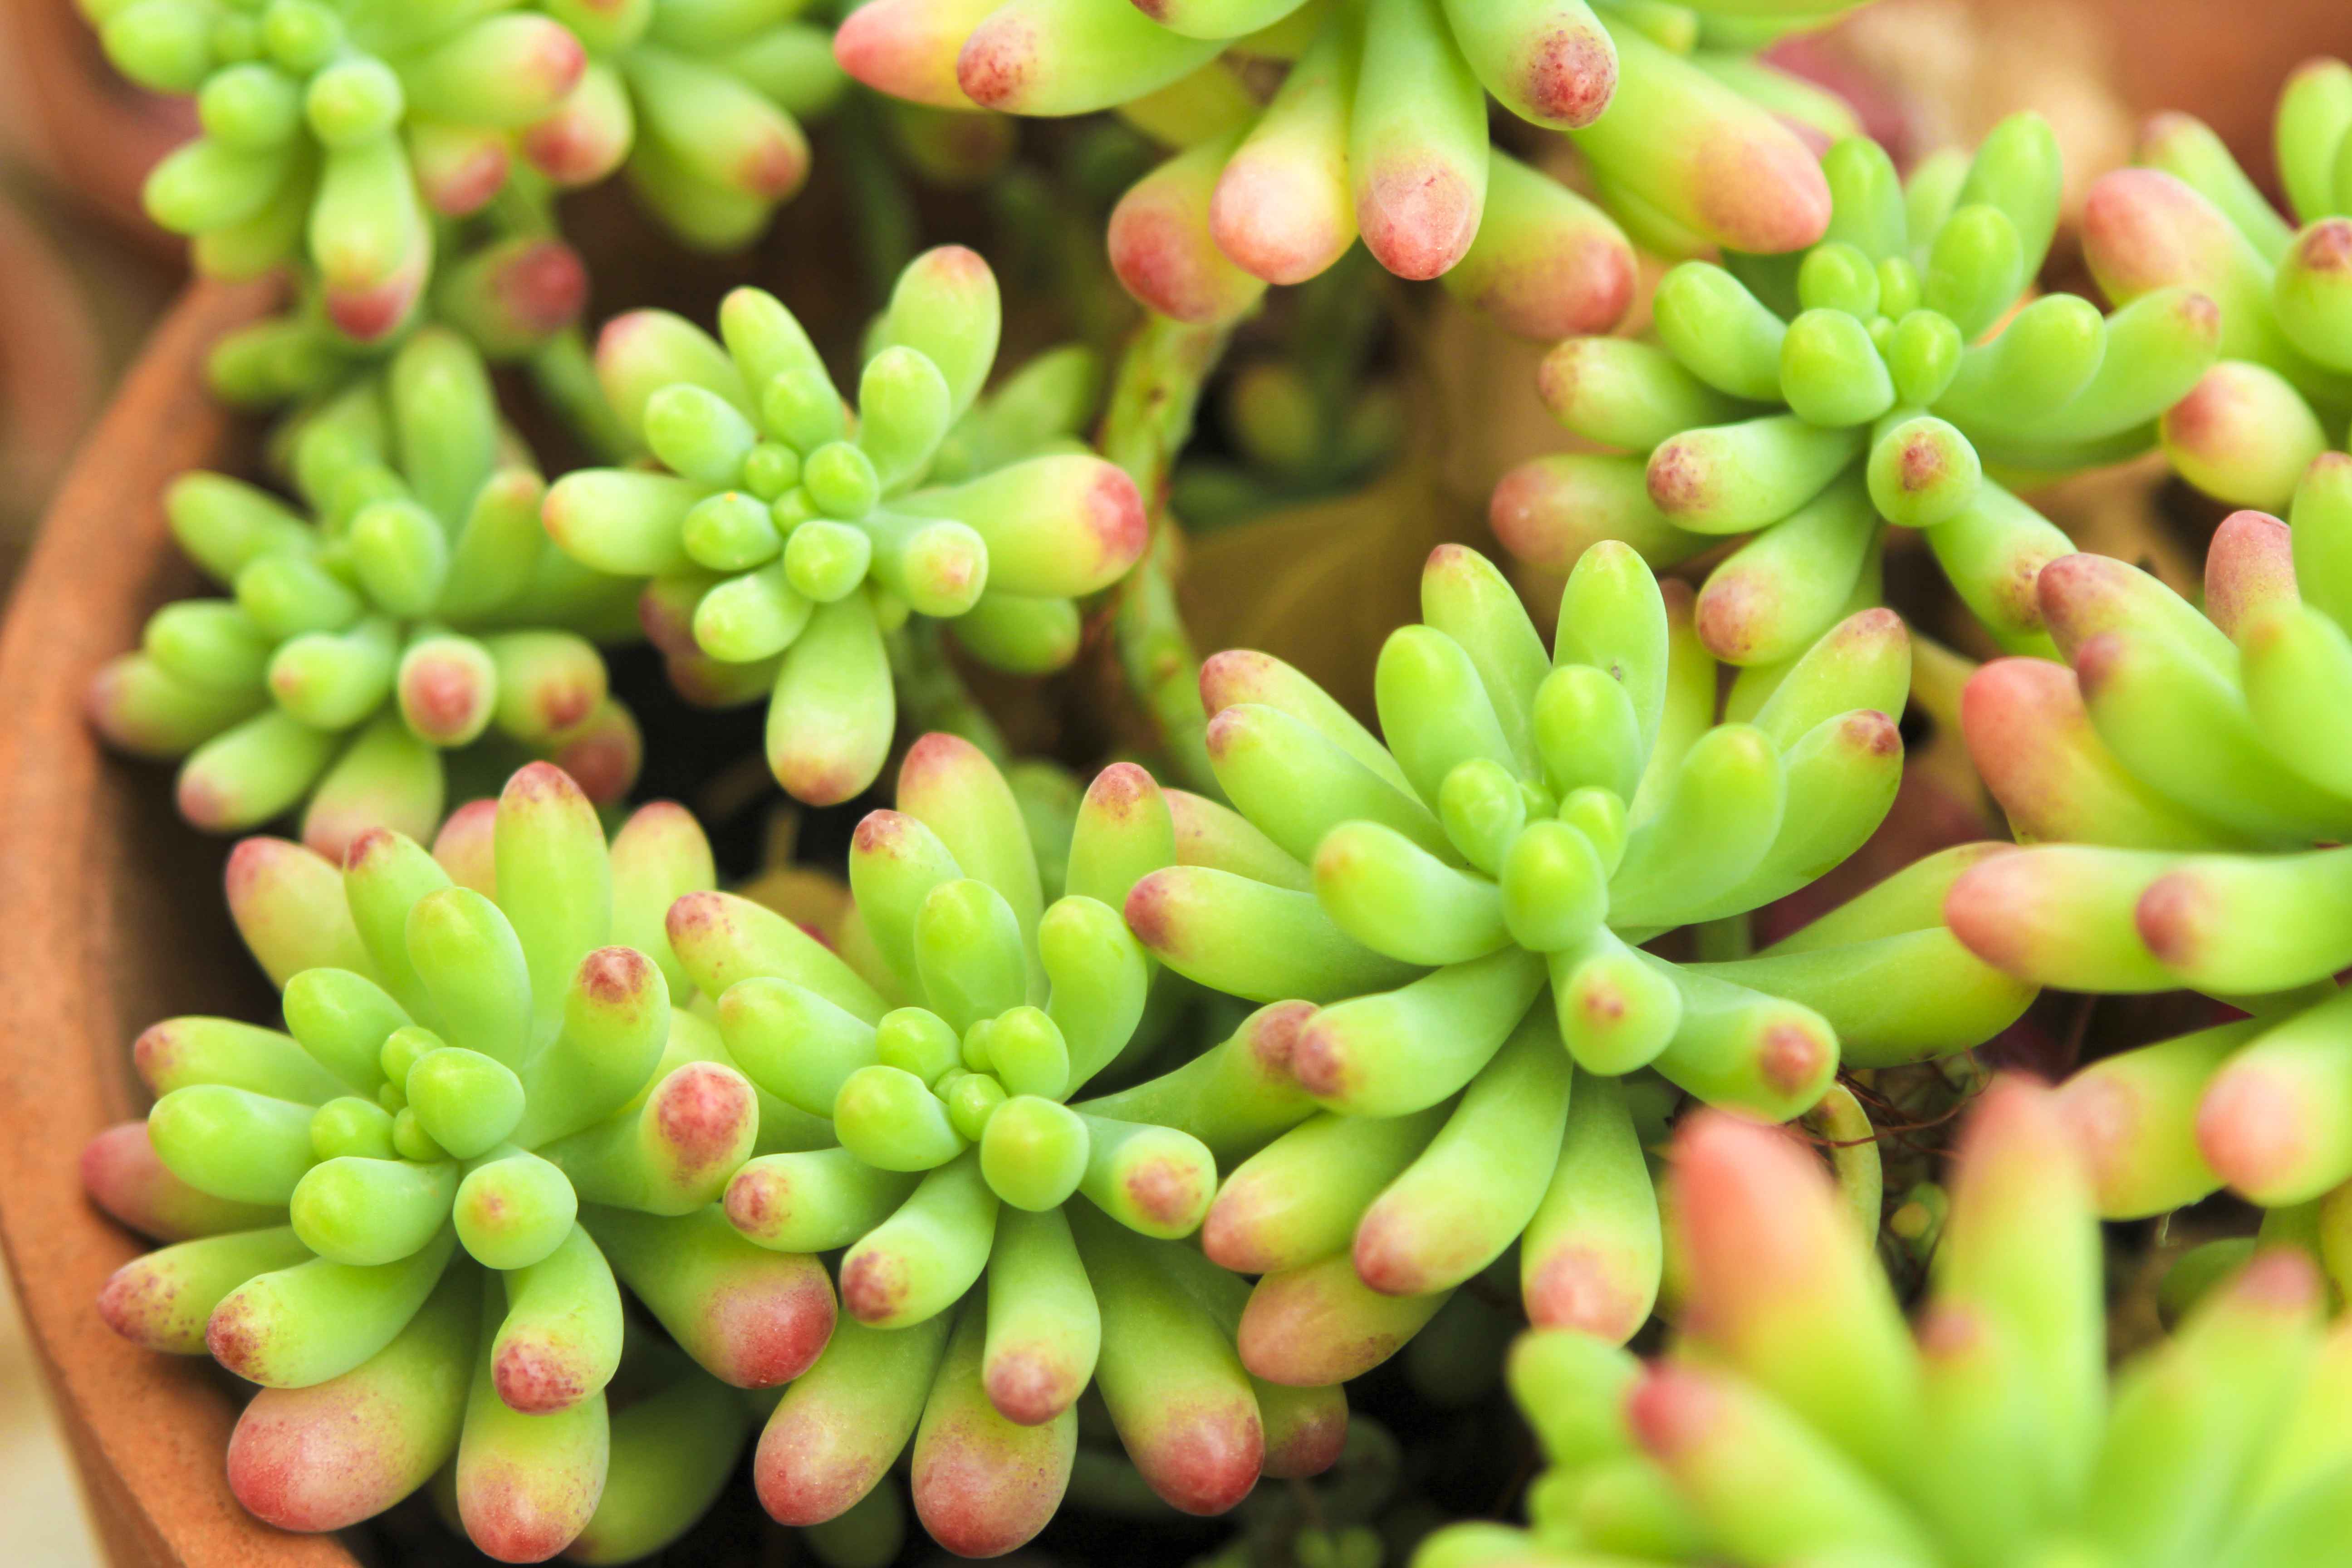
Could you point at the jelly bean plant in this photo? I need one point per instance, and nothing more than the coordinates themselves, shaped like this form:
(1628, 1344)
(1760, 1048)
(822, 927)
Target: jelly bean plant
(1535, 999)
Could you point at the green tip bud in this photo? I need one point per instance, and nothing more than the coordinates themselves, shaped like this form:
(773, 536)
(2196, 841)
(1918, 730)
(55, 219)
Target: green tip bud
(973, 1098)
(696, 433)
(1555, 888)
(350, 1125)
(514, 1211)
(1838, 277)
(1923, 472)
(1033, 1151)
(300, 34)
(467, 1102)
(1830, 370)
(889, 1118)
(841, 478)
(249, 107)
(1481, 807)
(918, 1041)
(353, 101)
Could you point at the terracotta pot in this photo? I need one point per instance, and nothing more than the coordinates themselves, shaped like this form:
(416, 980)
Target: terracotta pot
(115, 919)
(91, 135)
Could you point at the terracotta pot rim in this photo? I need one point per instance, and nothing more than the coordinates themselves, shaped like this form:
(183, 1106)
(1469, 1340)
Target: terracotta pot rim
(148, 1431)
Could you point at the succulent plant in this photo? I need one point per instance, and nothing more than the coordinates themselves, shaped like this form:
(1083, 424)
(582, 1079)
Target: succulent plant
(342, 135)
(419, 610)
(1795, 1420)
(2178, 784)
(476, 1078)
(2189, 216)
(1810, 399)
(1464, 910)
(1378, 127)
(786, 544)
(963, 1174)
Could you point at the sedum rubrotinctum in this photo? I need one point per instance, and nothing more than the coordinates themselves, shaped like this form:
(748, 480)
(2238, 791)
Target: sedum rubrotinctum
(794, 535)
(420, 608)
(1378, 127)
(1812, 399)
(1457, 905)
(2189, 216)
(478, 1076)
(791, 537)
(343, 133)
(1005, 1249)
(2184, 789)
(1797, 1421)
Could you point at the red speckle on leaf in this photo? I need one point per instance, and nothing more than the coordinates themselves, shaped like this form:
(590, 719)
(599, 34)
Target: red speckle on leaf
(1390, 1252)
(572, 148)
(366, 314)
(1679, 479)
(1756, 191)
(1309, 1447)
(538, 1379)
(1572, 74)
(136, 1302)
(201, 804)
(771, 167)
(442, 696)
(1162, 253)
(994, 64)
(545, 286)
(981, 1494)
(320, 1459)
(524, 1513)
(1578, 1288)
(1150, 914)
(874, 1284)
(1272, 1035)
(1114, 514)
(1792, 1057)
(1205, 1457)
(1672, 1411)
(704, 1111)
(233, 1339)
(2251, 1128)
(1733, 612)
(1120, 792)
(1167, 1192)
(1265, 216)
(467, 187)
(1417, 219)
(614, 975)
(541, 783)
(936, 760)
(1029, 1387)
(770, 1326)
(2280, 1277)
(1319, 1062)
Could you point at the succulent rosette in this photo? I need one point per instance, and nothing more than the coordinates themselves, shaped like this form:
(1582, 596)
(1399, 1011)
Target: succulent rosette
(2178, 784)
(1810, 400)
(1796, 1420)
(1004, 1248)
(698, 103)
(1377, 129)
(2189, 216)
(343, 134)
(418, 610)
(512, 292)
(412, 1212)
(1461, 913)
(787, 542)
